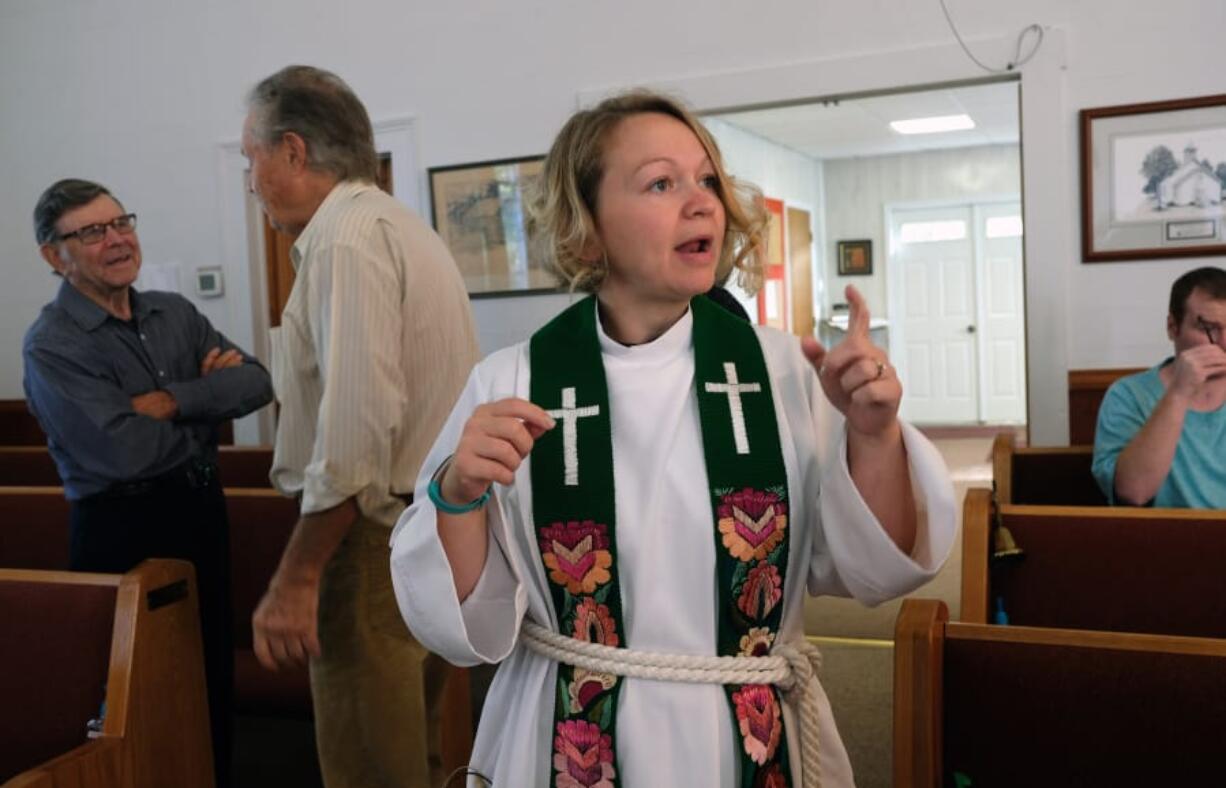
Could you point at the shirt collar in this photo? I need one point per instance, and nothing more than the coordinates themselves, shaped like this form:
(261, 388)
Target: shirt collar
(340, 192)
(142, 307)
(88, 314)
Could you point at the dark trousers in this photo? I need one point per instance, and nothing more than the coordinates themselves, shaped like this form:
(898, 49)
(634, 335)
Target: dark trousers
(113, 533)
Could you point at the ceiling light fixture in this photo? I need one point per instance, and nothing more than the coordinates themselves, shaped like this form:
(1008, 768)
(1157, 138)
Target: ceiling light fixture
(933, 125)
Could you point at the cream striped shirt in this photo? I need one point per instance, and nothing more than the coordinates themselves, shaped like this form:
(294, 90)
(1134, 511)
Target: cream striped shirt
(376, 342)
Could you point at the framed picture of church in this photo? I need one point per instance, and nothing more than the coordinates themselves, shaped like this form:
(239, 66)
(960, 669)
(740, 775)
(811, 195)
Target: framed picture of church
(1153, 180)
(481, 212)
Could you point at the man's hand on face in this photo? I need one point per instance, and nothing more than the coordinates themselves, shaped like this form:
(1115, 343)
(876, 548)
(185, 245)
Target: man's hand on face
(1196, 366)
(215, 360)
(159, 405)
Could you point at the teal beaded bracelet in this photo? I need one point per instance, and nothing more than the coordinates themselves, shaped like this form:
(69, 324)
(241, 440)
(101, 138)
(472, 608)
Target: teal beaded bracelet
(436, 495)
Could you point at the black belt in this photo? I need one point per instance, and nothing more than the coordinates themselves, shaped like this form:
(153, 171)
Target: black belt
(191, 475)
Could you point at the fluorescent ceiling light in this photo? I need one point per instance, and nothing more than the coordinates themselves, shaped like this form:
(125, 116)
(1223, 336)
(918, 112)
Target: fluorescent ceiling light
(933, 125)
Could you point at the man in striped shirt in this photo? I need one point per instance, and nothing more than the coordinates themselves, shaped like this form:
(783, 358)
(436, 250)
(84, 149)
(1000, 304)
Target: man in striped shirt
(376, 341)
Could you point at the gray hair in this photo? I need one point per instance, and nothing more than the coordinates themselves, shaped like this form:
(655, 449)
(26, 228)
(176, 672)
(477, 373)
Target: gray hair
(318, 106)
(58, 199)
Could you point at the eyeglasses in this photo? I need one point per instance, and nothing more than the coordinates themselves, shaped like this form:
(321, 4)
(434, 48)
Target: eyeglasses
(1211, 330)
(94, 233)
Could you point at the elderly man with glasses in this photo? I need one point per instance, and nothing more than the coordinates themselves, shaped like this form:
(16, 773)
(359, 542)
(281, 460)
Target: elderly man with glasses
(1161, 432)
(130, 388)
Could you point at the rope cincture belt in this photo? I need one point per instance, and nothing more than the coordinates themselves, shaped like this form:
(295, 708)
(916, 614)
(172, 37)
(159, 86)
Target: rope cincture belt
(792, 667)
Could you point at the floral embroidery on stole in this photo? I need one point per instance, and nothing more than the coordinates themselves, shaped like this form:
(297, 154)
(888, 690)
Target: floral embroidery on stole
(575, 522)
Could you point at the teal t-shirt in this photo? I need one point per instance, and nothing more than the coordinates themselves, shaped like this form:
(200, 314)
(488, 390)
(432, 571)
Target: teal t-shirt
(1198, 473)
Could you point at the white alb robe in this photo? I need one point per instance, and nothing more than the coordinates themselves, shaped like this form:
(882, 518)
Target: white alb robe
(667, 733)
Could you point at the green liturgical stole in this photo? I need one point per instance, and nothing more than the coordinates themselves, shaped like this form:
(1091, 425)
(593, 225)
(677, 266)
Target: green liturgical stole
(576, 528)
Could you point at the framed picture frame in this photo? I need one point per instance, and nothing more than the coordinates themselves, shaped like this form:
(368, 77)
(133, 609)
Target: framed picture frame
(481, 212)
(855, 258)
(1153, 180)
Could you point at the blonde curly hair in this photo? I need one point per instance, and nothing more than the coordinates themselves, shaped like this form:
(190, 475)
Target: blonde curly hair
(562, 210)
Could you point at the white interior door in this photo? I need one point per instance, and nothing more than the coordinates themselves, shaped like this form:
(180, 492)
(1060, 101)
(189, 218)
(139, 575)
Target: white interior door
(933, 249)
(998, 231)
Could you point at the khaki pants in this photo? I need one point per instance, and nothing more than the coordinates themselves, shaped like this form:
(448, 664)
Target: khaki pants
(376, 691)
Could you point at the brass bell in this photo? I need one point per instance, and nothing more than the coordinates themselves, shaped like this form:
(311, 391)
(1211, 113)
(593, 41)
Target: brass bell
(1004, 546)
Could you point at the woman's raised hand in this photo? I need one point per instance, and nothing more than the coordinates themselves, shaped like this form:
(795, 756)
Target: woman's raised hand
(856, 375)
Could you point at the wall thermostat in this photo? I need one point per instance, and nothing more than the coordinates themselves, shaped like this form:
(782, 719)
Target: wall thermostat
(209, 282)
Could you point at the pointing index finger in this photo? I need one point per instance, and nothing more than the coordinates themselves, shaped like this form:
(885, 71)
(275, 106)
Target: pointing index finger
(858, 317)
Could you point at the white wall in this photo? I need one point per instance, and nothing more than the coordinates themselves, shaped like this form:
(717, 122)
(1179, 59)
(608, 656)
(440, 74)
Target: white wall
(781, 173)
(857, 190)
(139, 93)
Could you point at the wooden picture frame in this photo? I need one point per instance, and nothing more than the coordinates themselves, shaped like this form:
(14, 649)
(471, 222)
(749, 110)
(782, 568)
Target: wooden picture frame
(1153, 180)
(480, 210)
(855, 258)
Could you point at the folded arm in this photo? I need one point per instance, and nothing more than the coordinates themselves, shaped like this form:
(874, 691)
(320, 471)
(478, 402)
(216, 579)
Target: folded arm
(77, 407)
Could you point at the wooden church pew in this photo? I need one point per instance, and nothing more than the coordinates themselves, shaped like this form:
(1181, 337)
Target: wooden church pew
(1049, 475)
(241, 466)
(1098, 567)
(34, 535)
(978, 705)
(72, 639)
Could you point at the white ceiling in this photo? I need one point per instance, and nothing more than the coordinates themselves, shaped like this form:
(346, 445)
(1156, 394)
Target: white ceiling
(861, 126)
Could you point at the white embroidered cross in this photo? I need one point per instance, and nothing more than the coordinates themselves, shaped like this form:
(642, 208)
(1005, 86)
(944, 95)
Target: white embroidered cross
(733, 389)
(570, 415)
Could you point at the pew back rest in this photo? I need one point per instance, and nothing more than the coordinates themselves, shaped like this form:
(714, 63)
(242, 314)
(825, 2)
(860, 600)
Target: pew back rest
(53, 665)
(32, 466)
(1049, 475)
(1086, 389)
(1023, 706)
(34, 531)
(18, 427)
(261, 522)
(1093, 702)
(245, 466)
(1117, 569)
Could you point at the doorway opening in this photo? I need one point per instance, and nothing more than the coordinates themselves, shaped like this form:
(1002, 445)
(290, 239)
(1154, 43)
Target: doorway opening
(857, 179)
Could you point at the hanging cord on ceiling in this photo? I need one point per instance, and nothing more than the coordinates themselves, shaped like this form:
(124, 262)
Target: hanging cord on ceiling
(1018, 59)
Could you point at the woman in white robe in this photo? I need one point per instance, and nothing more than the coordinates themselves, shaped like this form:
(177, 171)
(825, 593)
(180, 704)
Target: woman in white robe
(470, 611)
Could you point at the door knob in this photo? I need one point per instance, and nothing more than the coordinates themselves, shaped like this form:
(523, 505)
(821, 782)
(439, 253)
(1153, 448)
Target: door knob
(970, 329)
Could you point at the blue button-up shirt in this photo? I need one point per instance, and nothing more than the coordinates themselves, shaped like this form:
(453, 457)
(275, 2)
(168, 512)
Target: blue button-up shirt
(83, 366)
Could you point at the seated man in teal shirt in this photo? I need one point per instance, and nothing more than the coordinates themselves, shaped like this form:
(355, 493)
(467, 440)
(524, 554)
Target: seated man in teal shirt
(1161, 437)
